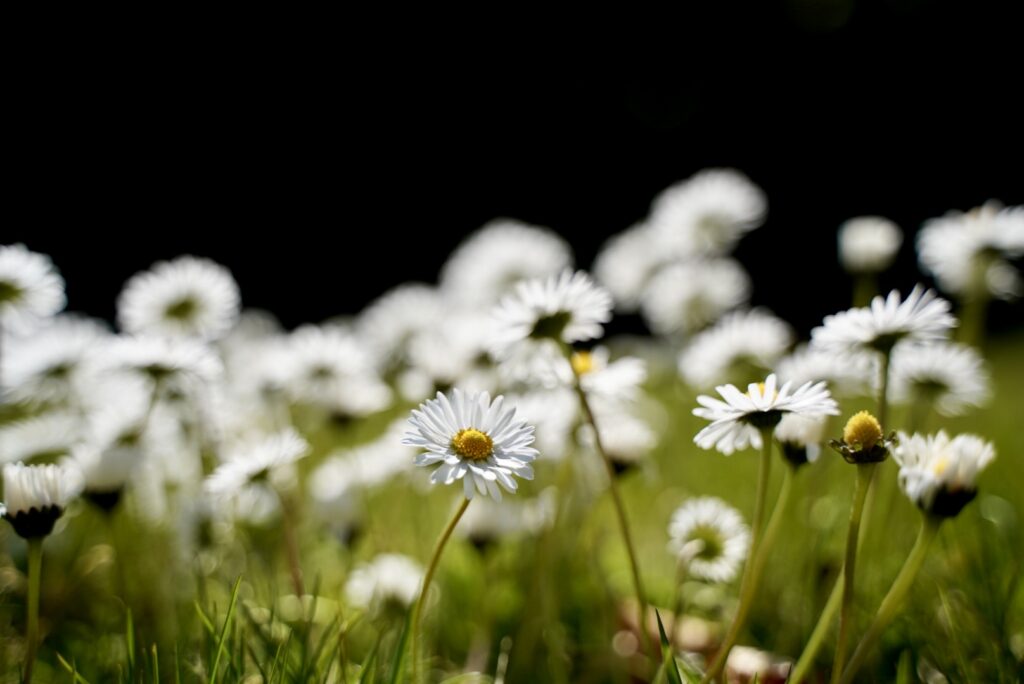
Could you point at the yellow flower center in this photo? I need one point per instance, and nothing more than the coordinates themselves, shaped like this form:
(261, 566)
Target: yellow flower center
(761, 388)
(940, 466)
(862, 431)
(582, 362)
(472, 444)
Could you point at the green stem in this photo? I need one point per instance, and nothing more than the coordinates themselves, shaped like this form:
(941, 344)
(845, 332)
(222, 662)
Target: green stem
(417, 610)
(35, 566)
(883, 392)
(758, 556)
(897, 593)
(864, 289)
(291, 544)
(814, 644)
(864, 475)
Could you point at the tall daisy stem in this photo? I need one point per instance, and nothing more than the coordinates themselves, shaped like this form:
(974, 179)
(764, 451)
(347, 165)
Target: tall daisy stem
(620, 512)
(291, 544)
(897, 593)
(760, 549)
(35, 566)
(417, 610)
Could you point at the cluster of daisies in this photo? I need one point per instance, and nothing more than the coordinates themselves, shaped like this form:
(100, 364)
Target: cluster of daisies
(195, 410)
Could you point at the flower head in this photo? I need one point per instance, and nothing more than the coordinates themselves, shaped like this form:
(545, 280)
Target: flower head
(688, 296)
(868, 244)
(863, 440)
(800, 438)
(743, 343)
(938, 473)
(711, 537)
(387, 579)
(35, 496)
(952, 376)
(256, 460)
(31, 290)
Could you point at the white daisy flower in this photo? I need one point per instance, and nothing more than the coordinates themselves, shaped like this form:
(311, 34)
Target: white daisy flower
(31, 290)
(566, 308)
(45, 437)
(454, 352)
(626, 439)
(489, 521)
(391, 321)
(922, 316)
(187, 297)
(555, 413)
(710, 537)
(626, 264)
(688, 296)
(256, 461)
(967, 250)
(485, 267)
(800, 437)
(849, 374)
(35, 496)
(166, 360)
(709, 212)
(952, 376)
(736, 422)
(473, 440)
(939, 474)
(741, 343)
(868, 244)
(388, 578)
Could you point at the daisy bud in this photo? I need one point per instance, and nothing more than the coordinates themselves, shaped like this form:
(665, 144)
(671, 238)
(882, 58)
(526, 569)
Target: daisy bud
(36, 496)
(863, 440)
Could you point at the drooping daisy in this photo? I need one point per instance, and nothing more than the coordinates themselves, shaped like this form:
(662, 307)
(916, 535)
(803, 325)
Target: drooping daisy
(31, 290)
(952, 376)
(187, 297)
(741, 345)
(709, 536)
(256, 461)
(737, 421)
(922, 316)
(388, 579)
(491, 261)
(688, 296)
(35, 496)
(627, 263)
(849, 374)
(391, 321)
(54, 362)
(474, 440)
(868, 244)
(800, 437)
(968, 251)
(939, 473)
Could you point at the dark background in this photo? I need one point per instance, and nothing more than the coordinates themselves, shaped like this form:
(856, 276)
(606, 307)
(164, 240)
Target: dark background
(325, 161)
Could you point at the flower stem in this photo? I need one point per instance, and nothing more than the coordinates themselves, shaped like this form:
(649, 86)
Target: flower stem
(891, 603)
(864, 475)
(883, 392)
(760, 547)
(864, 289)
(620, 512)
(35, 566)
(417, 610)
(291, 544)
(803, 664)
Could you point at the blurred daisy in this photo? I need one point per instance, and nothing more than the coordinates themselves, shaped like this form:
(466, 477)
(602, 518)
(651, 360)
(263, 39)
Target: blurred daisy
(473, 440)
(31, 290)
(391, 321)
(45, 437)
(737, 421)
(490, 521)
(555, 413)
(800, 437)
(257, 461)
(710, 537)
(688, 296)
(389, 579)
(849, 374)
(940, 474)
(485, 267)
(627, 263)
(952, 376)
(187, 297)
(741, 345)
(868, 244)
(441, 356)
(626, 439)
(921, 316)
(35, 496)
(967, 251)
(165, 360)
(54, 362)
(709, 212)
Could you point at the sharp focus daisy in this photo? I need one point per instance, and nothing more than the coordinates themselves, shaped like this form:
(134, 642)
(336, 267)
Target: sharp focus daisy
(686, 297)
(939, 473)
(388, 579)
(187, 297)
(710, 537)
(256, 461)
(868, 244)
(742, 344)
(921, 316)
(473, 439)
(737, 421)
(951, 376)
(35, 496)
(31, 290)
(486, 267)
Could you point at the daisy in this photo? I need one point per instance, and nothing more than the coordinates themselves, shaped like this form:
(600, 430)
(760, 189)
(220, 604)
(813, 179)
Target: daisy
(55, 362)
(256, 461)
(36, 496)
(952, 376)
(939, 473)
(710, 537)
(868, 244)
(45, 437)
(388, 579)
(688, 296)
(485, 267)
(626, 439)
(921, 316)
(848, 374)
(566, 308)
(390, 322)
(168, 360)
(741, 343)
(555, 413)
(31, 290)
(627, 263)
(737, 421)
(187, 297)
(473, 440)
(800, 437)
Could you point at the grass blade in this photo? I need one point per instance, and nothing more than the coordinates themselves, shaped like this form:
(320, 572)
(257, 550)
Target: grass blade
(224, 630)
(72, 670)
(669, 670)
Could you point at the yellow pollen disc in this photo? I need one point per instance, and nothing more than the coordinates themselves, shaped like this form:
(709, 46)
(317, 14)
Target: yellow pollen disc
(472, 444)
(582, 362)
(862, 431)
(760, 390)
(940, 465)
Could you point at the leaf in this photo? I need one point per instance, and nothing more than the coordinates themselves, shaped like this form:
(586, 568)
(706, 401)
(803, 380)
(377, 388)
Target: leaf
(72, 670)
(396, 666)
(669, 669)
(224, 630)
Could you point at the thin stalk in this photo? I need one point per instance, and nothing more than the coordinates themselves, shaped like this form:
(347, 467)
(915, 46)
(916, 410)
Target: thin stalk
(897, 593)
(864, 289)
(417, 610)
(291, 544)
(883, 392)
(35, 566)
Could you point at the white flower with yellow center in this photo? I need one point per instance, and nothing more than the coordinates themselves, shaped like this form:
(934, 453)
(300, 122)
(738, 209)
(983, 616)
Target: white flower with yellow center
(742, 344)
(31, 290)
(187, 297)
(474, 440)
(940, 474)
(736, 422)
(686, 297)
(868, 244)
(710, 537)
(952, 376)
